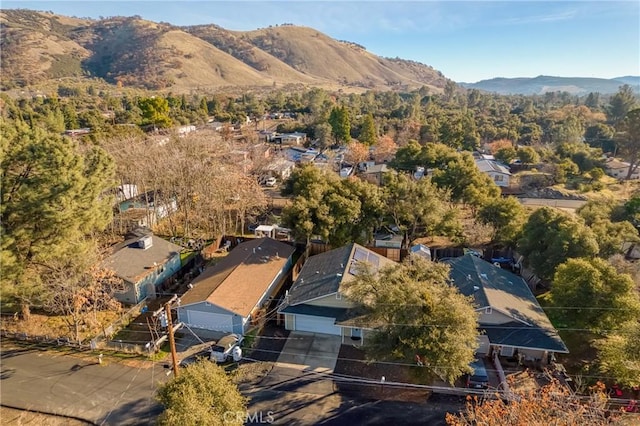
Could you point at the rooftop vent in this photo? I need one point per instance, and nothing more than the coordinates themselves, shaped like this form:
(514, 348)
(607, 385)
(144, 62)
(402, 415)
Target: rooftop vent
(145, 242)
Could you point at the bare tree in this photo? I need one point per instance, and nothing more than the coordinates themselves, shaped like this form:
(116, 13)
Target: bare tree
(77, 289)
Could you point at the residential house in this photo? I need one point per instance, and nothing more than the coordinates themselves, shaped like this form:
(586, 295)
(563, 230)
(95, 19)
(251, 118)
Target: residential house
(231, 294)
(125, 192)
(295, 138)
(315, 302)
(280, 168)
(619, 169)
(511, 320)
(375, 173)
(498, 172)
(146, 263)
(153, 203)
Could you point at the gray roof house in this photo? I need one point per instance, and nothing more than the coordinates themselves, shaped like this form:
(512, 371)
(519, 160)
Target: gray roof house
(146, 263)
(498, 172)
(510, 316)
(315, 302)
(229, 295)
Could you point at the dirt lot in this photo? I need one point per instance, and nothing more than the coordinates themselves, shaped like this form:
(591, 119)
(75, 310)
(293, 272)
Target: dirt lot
(351, 362)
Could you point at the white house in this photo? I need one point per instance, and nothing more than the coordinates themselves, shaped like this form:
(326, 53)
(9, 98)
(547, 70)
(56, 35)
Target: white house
(619, 169)
(498, 172)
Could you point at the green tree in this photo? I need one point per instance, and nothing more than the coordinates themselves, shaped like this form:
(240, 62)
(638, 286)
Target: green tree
(340, 124)
(600, 135)
(202, 394)
(550, 237)
(621, 103)
(598, 296)
(619, 354)
(593, 100)
(155, 111)
(506, 155)
(418, 208)
(368, 132)
(612, 235)
(322, 133)
(336, 210)
(506, 216)
(628, 140)
(528, 155)
(53, 196)
(414, 311)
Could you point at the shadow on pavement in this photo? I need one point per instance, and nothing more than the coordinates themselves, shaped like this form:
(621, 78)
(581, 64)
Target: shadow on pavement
(140, 412)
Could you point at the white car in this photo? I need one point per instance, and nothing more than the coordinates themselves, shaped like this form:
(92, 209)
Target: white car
(228, 346)
(271, 181)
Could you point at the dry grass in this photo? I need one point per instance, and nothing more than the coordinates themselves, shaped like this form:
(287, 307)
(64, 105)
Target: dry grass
(12, 417)
(55, 326)
(208, 58)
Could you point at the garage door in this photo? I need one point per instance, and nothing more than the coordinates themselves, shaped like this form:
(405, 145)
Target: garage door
(317, 324)
(210, 321)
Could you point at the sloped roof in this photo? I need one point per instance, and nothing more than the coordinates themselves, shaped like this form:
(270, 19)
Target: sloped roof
(377, 168)
(132, 263)
(492, 166)
(509, 294)
(239, 280)
(616, 164)
(323, 273)
(421, 250)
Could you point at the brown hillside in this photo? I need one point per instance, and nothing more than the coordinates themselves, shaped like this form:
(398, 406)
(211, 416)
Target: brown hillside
(316, 54)
(36, 46)
(249, 54)
(39, 46)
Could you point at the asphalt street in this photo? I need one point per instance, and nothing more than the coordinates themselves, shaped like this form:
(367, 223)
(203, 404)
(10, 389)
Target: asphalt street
(117, 394)
(107, 394)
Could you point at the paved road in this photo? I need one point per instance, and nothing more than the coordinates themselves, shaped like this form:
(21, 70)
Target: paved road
(108, 394)
(116, 394)
(308, 400)
(561, 204)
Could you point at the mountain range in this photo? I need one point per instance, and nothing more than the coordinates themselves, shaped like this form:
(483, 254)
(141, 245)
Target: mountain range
(543, 84)
(130, 51)
(40, 47)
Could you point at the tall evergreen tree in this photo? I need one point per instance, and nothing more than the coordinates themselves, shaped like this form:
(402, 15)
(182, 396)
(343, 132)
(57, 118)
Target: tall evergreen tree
(53, 196)
(340, 124)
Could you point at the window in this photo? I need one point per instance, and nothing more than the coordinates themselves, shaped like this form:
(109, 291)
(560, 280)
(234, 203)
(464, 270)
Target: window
(487, 310)
(498, 178)
(338, 295)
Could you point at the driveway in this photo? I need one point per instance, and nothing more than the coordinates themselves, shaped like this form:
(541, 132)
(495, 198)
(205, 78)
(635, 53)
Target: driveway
(305, 364)
(310, 352)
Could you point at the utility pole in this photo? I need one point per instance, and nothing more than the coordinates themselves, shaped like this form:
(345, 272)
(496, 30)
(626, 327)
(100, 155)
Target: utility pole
(172, 341)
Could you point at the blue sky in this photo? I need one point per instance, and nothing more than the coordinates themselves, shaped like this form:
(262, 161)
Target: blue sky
(466, 40)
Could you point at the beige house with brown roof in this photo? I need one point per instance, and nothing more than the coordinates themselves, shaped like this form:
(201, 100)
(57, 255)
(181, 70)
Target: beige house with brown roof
(229, 295)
